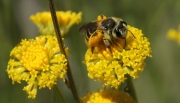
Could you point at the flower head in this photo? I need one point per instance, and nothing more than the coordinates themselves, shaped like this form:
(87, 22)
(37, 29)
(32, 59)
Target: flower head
(174, 34)
(110, 65)
(107, 96)
(65, 19)
(39, 62)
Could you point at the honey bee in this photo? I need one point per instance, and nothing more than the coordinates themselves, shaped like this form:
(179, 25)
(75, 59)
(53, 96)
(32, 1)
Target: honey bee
(111, 28)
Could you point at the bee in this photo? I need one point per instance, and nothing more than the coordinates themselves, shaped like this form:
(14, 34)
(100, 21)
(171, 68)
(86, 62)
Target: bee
(114, 28)
(111, 28)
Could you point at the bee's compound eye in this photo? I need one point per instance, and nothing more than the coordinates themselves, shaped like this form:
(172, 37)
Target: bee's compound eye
(121, 30)
(108, 24)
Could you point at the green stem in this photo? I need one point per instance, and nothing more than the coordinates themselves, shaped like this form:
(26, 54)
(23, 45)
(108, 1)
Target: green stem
(54, 96)
(58, 92)
(131, 89)
(61, 46)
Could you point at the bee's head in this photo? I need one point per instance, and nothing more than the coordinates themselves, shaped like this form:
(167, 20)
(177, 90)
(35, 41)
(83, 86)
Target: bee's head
(115, 26)
(120, 30)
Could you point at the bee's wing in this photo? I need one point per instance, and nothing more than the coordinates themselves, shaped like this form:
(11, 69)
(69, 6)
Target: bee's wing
(89, 28)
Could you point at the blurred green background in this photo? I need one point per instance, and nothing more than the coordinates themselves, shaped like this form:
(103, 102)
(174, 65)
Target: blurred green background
(158, 83)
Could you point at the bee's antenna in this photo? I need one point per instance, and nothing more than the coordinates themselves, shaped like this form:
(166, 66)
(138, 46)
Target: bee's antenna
(132, 34)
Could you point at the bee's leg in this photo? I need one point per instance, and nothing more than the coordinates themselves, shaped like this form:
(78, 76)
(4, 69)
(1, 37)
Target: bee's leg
(124, 43)
(109, 48)
(116, 44)
(107, 44)
(92, 50)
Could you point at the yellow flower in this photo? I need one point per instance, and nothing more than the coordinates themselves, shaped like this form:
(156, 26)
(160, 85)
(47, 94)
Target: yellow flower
(111, 66)
(65, 19)
(38, 62)
(107, 96)
(174, 34)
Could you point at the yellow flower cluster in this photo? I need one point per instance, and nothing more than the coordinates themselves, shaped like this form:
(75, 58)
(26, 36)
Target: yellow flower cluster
(107, 96)
(174, 34)
(39, 62)
(65, 19)
(111, 67)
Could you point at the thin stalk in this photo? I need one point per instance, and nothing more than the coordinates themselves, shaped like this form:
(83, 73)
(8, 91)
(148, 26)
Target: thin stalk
(54, 96)
(56, 89)
(131, 89)
(61, 46)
